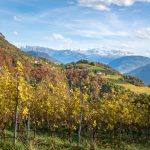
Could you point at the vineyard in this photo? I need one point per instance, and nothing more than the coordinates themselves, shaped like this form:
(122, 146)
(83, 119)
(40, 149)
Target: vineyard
(74, 106)
(74, 111)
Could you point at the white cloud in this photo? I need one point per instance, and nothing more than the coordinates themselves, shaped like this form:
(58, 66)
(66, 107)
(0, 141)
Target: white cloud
(62, 41)
(61, 38)
(105, 4)
(101, 7)
(143, 33)
(15, 33)
(96, 4)
(57, 36)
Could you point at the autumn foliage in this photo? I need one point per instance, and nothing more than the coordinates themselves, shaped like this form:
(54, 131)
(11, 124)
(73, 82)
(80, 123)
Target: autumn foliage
(80, 100)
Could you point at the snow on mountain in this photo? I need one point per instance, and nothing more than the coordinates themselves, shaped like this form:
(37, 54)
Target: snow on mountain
(105, 52)
(66, 56)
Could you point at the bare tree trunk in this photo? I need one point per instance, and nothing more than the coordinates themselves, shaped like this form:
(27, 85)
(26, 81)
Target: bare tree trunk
(28, 126)
(94, 133)
(35, 129)
(81, 119)
(16, 114)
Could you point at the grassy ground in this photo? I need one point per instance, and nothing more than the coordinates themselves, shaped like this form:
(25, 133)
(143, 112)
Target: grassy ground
(46, 142)
(97, 68)
(113, 78)
(55, 143)
(116, 79)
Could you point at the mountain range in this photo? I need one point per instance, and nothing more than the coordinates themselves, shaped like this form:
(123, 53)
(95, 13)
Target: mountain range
(129, 63)
(41, 55)
(67, 56)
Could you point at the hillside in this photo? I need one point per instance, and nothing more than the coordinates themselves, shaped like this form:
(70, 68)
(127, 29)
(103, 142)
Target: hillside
(104, 76)
(34, 68)
(129, 63)
(143, 73)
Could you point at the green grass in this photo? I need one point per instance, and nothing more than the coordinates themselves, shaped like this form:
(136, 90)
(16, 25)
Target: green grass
(97, 68)
(55, 142)
(83, 65)
(90, 67)
(115, 78)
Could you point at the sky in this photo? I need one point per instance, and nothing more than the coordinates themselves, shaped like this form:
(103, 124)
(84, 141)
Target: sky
(78, 24)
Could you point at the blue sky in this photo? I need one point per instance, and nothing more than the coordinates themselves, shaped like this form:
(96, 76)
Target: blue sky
(78, 24)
